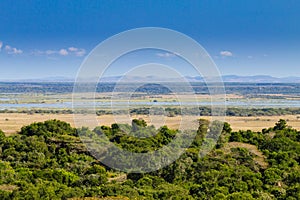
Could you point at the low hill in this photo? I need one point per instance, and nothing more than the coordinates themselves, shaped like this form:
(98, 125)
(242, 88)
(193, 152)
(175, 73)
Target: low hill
(48, 160)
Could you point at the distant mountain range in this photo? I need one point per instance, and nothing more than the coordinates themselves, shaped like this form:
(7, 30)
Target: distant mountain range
(252, 79)
(226, 78)
(261, 79)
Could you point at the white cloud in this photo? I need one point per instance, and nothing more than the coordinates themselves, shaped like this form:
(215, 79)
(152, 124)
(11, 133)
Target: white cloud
(250, 57)
(17, 51)
(12, 50)
(37, 52)
(73, 49)
(63, 52)
(77, 51)
(7, 48)
(40, 53)
(226, 54)
(50, 52)
(80, 52)
(166, 55)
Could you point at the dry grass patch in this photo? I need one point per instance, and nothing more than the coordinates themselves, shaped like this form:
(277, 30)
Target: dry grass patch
(8, 188)
(10, 123)
(259, 158)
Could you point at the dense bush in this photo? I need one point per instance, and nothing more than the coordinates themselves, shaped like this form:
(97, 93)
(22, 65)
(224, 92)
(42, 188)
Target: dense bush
(48, 161)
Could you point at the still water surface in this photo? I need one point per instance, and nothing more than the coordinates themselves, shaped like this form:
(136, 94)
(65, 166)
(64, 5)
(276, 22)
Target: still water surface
(274, 103)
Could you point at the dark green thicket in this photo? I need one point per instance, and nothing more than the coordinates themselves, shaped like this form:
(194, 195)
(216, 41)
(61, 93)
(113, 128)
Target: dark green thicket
(170, 111)
(48, 161)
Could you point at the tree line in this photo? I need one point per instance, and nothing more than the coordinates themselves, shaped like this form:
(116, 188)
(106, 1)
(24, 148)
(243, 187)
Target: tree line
(169, 111)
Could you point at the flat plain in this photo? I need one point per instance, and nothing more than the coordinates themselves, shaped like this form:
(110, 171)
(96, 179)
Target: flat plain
(18, 97)
(11, 123)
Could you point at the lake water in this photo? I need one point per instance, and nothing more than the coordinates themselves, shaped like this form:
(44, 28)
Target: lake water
(274, 103)
(5, 99)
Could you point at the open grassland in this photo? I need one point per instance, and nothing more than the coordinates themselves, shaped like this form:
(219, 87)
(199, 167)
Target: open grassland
(12, 122)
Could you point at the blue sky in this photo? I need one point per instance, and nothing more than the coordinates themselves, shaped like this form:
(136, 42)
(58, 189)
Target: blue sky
(51, 38)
